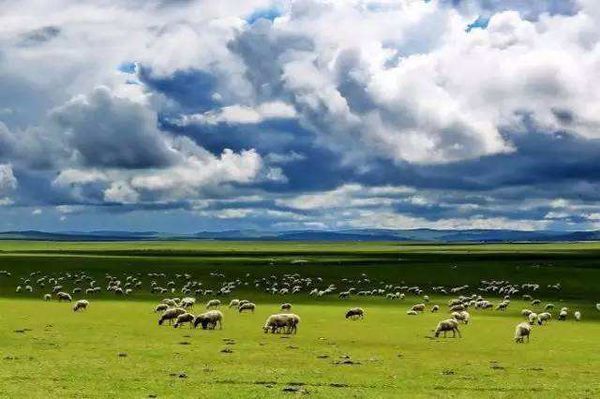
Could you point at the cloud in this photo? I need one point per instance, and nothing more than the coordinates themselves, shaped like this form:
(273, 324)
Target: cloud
(334, 114)
(8, 181)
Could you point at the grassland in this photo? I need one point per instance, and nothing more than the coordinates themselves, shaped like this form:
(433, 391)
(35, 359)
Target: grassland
(46, 350)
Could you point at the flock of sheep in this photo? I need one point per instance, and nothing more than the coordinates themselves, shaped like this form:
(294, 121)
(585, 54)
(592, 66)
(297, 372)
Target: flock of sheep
(177, 312)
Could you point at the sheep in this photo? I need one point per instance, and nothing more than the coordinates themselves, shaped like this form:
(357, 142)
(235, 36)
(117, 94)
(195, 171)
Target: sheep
(411, 313)
(463, 316)
(598, 307)
(234, 303)
(283, 321)
(81, 304)
(170, 315)
(577, 315)
(249, 306)
(187, 302)
(536, 302)
(448, 325)
(435, 308)
(63, 296)
(161, 307)
(562, 316)
(457, 308)
(532, 318)
(526, 312)
(286, 307)
(170, 302)
(209, 320)
(47, 297)
(213, 303)
(420, 307)
(521, 331)
(355, 313)
(184, 318)
(549, 306)
(543, 317)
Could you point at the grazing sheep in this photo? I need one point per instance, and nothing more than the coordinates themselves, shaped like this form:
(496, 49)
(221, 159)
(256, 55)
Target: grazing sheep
(47, 297)
(532, 318)
(543, 317)
(598, 307)
(521, 331)
(463, 316)
(170, 302)
(355, 313)
(161, 307)
(457, 308)
(288, 322)
(213, 303)
(526, 312)
(170, 315)
(63, 296)
(577, 315)
(536, 302)
(81, 304)
(234, 303)
(187, 303)
(411, 313)
(448, 325)
(502, 306)
(248, 306)
(562, 316)
(286, 306)
(435, 308)
(549, 306)
(418, 307)
(184, 318)
(209, 320)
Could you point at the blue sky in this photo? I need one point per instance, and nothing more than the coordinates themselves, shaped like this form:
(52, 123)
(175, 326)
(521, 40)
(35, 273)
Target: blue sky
(181, 116)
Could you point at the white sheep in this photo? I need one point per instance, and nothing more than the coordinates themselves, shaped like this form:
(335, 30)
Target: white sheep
(81, 304)
(532, 318)
(47, 297)
(420, 307)
(435, 308)
(210, 320)
(288, 322)
(170, 315)
(526, 312)
(447, 325)
(234, 303)
(544, 317)
(463, 316)
(577, 315)
(286, 307)
(248, 306)
(213, 303)
(355, 313)
(562, 316)
(184, 318)
(161, 307)
(63, 296)
(598, 307)
(411, 313)
(521, 331)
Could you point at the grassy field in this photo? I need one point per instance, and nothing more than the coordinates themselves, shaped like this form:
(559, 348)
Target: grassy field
(116, 348)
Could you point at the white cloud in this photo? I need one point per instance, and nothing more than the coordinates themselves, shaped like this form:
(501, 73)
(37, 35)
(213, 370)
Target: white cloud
(8, 181)
(239, 114)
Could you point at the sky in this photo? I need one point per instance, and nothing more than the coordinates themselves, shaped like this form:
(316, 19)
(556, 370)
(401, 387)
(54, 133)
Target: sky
(182, 116)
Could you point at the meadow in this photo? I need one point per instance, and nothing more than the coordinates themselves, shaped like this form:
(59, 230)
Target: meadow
(116, 349)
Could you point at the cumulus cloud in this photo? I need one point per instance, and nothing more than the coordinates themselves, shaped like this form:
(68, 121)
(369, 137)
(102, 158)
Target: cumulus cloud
(432, 113)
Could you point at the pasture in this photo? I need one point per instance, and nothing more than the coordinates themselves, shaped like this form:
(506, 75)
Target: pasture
(116, 348)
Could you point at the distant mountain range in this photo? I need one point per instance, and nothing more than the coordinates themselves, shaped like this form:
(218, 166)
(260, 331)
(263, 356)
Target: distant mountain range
(416, 235)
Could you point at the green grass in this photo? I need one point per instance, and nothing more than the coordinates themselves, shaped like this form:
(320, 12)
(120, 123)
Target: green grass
(46, 350)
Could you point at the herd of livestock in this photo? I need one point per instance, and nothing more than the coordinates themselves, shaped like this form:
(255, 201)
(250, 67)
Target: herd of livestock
(177, 311)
